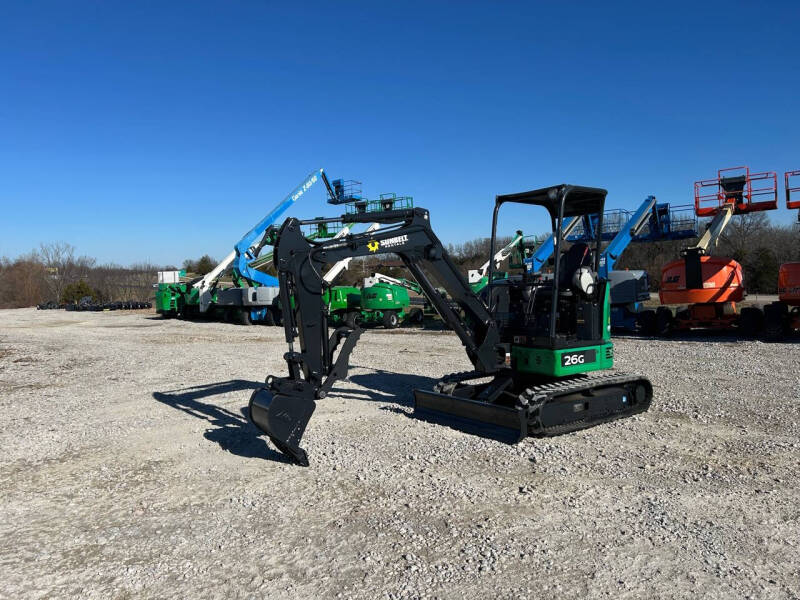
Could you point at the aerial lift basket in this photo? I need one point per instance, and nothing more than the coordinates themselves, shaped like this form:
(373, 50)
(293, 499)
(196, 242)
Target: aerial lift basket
(792, 184)
(750, 192)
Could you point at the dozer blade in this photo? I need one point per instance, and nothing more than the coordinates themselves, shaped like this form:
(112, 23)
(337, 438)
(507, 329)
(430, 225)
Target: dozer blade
(283, 419)
(501, 423)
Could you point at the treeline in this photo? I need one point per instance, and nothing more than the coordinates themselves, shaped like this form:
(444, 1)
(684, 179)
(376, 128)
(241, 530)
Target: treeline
(473, 254)
(201, 266)
(54, 273)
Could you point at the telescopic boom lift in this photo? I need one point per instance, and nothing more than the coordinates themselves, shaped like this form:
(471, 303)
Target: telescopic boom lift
(783, 317)
(255, 290)
(650, 222)
(711, 285)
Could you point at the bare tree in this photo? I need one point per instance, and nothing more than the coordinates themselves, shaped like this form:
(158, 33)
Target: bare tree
(741, 234)
(62, 267)
(22, 282)
(55, 257)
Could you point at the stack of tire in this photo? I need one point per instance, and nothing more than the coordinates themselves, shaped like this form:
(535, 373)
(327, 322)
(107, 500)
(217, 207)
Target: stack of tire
(49, 305)
(87, 304)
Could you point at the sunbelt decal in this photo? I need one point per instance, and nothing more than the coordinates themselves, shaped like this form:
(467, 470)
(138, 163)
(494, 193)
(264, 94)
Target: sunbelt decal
(388, 243)
(394, 241)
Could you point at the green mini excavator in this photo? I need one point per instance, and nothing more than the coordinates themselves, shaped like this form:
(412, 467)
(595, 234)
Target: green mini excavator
(540, 343)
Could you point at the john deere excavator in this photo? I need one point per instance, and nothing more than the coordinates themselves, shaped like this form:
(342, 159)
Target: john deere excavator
(532, 338)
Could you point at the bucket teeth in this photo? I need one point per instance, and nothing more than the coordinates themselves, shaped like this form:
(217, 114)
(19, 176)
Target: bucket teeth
(283, 419)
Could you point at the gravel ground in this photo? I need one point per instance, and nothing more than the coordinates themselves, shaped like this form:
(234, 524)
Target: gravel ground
(129, 471)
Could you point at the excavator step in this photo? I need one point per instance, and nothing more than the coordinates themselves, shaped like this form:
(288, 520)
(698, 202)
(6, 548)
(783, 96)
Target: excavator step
(548, 409)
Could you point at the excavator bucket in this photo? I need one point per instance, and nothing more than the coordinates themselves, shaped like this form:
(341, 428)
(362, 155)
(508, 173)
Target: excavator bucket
(283, 419)
(501, 423)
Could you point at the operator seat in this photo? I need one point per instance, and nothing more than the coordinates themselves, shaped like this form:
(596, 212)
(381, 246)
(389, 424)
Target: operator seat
(575, 270)
(573, 259)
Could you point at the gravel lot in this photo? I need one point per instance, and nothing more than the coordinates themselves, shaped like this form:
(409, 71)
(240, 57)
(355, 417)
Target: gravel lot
(129, 471)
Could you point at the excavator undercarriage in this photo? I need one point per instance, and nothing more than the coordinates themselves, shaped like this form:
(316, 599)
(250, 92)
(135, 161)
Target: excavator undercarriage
(509, 411)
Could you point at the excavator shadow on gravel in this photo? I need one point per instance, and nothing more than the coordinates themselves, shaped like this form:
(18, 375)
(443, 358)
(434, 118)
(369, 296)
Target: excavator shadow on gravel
(540, 343)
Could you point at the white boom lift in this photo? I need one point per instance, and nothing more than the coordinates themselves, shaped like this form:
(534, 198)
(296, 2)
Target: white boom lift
(475, 275)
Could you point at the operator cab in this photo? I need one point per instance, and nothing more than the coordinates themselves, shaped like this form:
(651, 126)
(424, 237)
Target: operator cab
(564, 309)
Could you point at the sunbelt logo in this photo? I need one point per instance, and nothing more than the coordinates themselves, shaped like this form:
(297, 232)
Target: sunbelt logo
(388, 243)
(394, 241)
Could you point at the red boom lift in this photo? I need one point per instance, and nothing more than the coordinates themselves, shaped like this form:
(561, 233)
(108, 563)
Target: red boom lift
(711, 286)
(783, 317)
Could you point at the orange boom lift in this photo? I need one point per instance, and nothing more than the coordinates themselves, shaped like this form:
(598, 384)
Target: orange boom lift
(711, 286)
(783, 317)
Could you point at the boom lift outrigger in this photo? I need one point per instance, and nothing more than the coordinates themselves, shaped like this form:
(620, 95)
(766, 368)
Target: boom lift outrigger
(536, 340)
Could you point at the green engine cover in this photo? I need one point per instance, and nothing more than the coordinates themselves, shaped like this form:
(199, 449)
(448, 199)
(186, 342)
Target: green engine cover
(342, 298)
(595, 356)
(559, 363)
(384, 296)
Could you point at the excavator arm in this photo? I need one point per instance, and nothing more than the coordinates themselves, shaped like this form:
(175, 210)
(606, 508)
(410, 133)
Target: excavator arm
(284, 408)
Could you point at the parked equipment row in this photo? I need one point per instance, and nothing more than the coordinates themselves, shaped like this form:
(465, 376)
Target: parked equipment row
(711, 286)
(697, 291)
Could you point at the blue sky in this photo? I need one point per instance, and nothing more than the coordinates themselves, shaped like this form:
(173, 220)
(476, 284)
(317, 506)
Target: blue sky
(164, 130)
